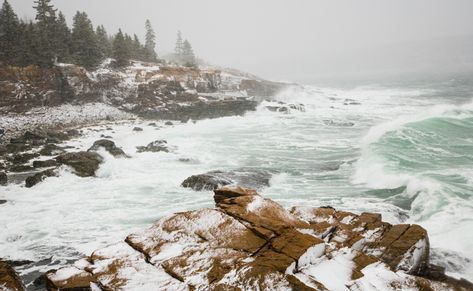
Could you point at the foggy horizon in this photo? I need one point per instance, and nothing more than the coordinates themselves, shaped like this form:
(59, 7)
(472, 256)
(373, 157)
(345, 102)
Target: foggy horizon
(322, 41)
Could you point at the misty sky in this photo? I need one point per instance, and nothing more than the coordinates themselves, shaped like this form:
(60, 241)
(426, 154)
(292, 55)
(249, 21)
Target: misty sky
(298, 39)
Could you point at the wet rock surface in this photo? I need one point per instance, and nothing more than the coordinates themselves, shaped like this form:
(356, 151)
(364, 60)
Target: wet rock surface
(39, 177)
(246, 177)
(159, 145)
(84, 163)
(283, 107)
(252, 243)
(45, 164)
(109, 146)
(3, 178)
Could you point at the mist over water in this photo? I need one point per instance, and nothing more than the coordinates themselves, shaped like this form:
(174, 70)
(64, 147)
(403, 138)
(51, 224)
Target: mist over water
(404, 151)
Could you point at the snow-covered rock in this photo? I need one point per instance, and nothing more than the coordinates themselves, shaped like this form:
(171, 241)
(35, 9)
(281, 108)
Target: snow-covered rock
(252, 243)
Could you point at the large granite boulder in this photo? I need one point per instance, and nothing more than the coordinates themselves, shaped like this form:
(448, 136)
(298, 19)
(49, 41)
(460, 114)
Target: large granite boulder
(252, 243)
(246, 177)
(84, 163)
(109, 146)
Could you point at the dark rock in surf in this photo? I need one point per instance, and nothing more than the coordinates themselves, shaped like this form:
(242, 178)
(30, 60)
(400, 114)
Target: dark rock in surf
(3, 201)
(285, 107)
(45, 164)
(51, 150)
(3, 178)
(39, 177)
(154, 147)
(137, 128)
(109, 146)
(21, 168)
(205, 182)
(22, 158)
(168, 123)
(84, 163)
(245, 177)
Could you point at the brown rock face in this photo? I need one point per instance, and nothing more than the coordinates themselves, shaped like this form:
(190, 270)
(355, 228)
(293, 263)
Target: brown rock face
(9, 279)
(252, 243)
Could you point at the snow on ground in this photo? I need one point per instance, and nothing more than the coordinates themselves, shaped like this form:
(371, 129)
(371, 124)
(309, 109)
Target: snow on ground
(64, 115)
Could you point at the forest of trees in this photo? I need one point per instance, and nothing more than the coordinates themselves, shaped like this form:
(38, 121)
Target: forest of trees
(49, 40)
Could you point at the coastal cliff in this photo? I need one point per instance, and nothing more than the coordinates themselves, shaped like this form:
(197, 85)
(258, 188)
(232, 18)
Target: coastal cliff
(145, 89)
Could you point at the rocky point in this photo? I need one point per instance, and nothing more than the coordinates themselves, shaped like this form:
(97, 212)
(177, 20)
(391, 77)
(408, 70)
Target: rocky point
(249, 242)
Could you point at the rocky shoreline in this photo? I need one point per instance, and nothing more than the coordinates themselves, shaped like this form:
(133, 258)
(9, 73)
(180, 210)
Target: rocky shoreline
(251, 242)
(70, 95)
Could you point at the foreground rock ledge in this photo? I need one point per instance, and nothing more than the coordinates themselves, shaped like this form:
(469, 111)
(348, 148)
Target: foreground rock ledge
(252, 243)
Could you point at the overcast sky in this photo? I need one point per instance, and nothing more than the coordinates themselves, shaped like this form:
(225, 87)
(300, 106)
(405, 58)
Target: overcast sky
(296, 39)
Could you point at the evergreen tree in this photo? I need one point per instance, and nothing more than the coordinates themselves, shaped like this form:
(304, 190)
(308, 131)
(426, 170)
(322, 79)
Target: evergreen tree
(138, 51)
(178, 50)
(46, 24)
(104, 42)
(188, 57)
(63, 35)
(9, 33)
(121, 52)
(85, 48)
(150, 43)
(27, 44)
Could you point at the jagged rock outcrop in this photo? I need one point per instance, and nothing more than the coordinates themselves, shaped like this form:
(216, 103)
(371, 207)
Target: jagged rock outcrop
(252, 243)
(109, 146)
(245, 177)
(84, 163)
(9, 279)
(145, 89)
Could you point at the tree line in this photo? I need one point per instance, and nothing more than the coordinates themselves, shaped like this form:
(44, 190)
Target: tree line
(49, 40)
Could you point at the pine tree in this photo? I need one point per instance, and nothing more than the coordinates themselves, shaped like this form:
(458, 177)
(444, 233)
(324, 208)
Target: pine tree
(27, 44)
(63, 35)
(188, 57)
(138, 51)
(104, 41)
(150, 43)
(129, 44)
(85, 48)
(121, 52)
(46, 24)
(9, 34)
(178, 50)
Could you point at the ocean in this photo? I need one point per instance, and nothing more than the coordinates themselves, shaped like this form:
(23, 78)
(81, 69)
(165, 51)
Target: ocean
(403, 150)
